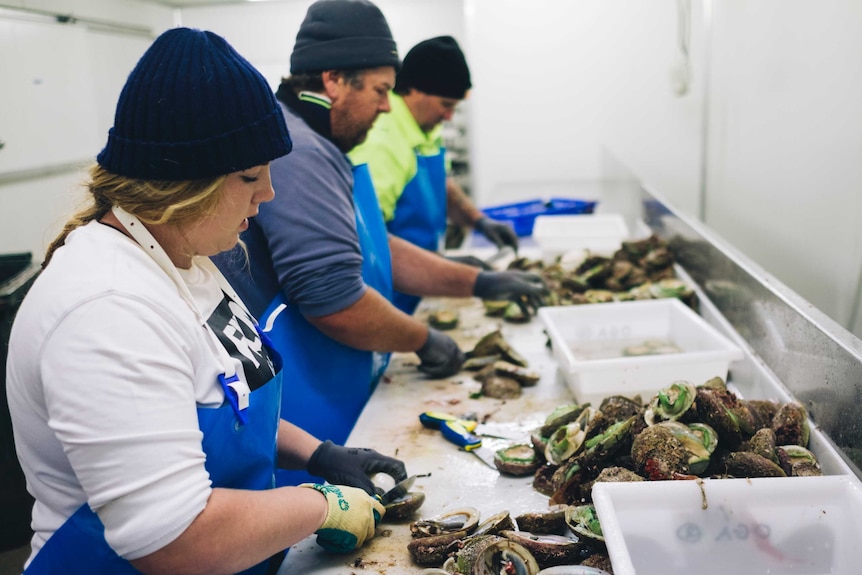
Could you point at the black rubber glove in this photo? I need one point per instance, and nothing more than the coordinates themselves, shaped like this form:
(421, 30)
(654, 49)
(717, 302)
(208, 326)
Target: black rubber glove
(353, 466)
(522, 287)
(470, 261)
(440, 355)
(498, 233)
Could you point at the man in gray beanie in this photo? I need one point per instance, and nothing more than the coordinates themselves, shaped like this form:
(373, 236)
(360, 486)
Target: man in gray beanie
(320, 273)
(406, 160)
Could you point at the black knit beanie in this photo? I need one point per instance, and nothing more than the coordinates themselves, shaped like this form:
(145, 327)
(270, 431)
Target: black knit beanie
(193, 108)
(437, 67)
(343, 35)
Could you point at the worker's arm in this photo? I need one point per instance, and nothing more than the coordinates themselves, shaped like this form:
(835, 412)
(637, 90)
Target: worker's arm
(353, 466)
(295, 446)
(420, 272)
(268, 521)
(374, 324)
(239, 528)
(461, 210)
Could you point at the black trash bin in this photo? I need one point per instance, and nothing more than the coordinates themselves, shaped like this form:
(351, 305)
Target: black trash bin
(17, 273)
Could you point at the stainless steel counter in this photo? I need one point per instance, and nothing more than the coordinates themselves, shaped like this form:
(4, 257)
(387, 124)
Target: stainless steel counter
(455, 478)
(809, 355)
(390, 424)
(792, 351)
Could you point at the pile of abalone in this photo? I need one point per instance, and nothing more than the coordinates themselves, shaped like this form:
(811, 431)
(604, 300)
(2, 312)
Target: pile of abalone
(500, 369)
(640, 269)
(683, 432)
(530, 544)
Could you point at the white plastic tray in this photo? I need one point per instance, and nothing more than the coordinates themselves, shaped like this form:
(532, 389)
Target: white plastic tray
(597, 233)
(776, 526)
(588, 341)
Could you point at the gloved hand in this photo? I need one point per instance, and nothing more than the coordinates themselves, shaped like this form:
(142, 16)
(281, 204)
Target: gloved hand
(440, 355)
(525, 288)
(350, 519)
(498, 233)
(353, 466)
(470, 261)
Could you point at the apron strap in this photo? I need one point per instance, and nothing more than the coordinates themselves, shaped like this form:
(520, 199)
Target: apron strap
(145, 239)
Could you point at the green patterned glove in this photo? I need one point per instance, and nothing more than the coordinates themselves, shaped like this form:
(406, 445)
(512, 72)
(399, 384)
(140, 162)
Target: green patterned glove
(350, 519)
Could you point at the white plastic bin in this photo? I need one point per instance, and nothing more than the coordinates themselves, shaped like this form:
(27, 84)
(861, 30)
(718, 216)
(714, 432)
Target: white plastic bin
(588, 342)
(597, 233)
(779, 526)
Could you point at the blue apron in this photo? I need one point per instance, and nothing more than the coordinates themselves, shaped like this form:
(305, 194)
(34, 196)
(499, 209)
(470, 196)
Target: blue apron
(420, 214)
(237, 456)
(326, 382)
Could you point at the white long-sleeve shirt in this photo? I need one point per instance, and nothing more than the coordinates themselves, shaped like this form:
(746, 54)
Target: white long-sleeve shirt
(107, 366)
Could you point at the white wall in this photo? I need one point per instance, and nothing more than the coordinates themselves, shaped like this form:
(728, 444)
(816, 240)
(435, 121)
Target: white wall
(128, 12)
(779, 166)
(644, 120)
(559, 84)
(785, 145)
(36, 90)
(61, 83)
(60, 87)
(534, 125)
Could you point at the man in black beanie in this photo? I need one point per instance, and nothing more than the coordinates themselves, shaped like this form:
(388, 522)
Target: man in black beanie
(320, 272)
(407, 163)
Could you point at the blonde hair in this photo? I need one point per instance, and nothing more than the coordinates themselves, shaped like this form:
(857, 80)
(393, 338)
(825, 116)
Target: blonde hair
(153, 202)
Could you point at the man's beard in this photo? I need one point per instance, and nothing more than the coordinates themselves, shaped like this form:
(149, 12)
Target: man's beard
(346, 142)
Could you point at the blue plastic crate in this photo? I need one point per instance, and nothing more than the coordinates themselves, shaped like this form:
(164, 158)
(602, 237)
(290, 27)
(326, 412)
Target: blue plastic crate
(522, 215)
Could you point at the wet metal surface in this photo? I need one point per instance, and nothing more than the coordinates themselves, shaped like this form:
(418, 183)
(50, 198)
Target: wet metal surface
(390, 423)
(814, 358)
(793, 351)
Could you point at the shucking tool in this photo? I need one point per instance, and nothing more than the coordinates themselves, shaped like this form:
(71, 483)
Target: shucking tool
(455, 432)
(435, 419)
(461, 433)
(400, 490)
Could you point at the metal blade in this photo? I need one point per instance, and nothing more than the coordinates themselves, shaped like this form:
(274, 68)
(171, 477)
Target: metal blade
(399, 491)
(501, 253)
(500, 431)
(485, 455)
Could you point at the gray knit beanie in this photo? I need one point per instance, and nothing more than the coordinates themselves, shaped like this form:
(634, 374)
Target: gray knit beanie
(343, 35)
(193, 108)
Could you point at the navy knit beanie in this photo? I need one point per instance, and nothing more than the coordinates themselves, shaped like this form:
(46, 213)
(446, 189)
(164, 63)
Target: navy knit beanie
(343, 35)
(193, 108)
(437, 67)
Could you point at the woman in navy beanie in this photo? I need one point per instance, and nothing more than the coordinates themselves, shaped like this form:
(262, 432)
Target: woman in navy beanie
(144, 399)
